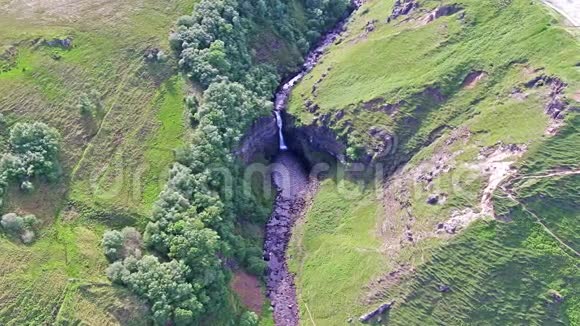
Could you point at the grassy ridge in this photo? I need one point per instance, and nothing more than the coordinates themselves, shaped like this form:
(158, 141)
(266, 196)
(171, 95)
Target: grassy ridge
(499, 273)
(397, 61)
(335, 251)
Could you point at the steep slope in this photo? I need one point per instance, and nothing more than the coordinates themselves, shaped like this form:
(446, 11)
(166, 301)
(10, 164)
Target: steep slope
(53, 56)
(471, 113)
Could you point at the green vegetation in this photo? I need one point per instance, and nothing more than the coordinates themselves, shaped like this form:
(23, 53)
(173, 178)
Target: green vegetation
(335, 252)
(419, 69)
(20, 226)
(136, 112)
(192, 223)
(33, 150)
(453, 136)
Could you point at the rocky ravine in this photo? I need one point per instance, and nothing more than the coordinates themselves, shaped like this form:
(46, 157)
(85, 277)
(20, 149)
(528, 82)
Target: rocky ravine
(294, 189)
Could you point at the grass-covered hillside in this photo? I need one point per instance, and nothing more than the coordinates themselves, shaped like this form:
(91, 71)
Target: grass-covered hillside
(55, 58)
(478, 223)
(116, 118)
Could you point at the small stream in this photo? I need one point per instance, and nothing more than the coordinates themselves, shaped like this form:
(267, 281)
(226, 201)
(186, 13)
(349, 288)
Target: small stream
(293, 187)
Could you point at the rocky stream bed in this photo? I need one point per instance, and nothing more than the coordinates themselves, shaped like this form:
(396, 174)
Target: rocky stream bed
(294, 190)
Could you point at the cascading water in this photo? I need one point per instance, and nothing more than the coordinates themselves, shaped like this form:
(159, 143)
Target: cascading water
(280, 130)
(291, 197)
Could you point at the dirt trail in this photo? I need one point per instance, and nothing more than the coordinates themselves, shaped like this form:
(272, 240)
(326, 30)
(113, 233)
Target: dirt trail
(538, 219)
(552, 174)
(293, 185)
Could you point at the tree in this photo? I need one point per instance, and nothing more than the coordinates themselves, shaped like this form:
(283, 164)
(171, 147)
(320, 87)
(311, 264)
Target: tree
(18, 226)
(122, 244)
(33, 152)
(12, 223)
(112, 244)
(249, 318)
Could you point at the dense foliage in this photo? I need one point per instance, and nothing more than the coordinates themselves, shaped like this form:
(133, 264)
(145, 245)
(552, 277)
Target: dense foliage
(192, 225)
(20, 226)
(33, 150)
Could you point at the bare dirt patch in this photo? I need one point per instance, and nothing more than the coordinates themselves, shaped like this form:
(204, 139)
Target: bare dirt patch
(496, 165)
(473, 78)
(249, 289)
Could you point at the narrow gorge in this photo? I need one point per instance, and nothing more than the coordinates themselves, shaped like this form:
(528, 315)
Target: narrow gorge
(290, 177)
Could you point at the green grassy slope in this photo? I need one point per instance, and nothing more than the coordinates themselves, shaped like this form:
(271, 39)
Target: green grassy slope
(508, 271)
(113, 163)
(398, 61)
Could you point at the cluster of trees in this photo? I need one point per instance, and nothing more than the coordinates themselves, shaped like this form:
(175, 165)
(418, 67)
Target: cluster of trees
(192, 228)
(33, 151)
(20, 226)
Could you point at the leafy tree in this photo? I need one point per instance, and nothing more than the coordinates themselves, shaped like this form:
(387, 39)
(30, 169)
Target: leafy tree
(12, 223)
(122, 244)
(33, 152)
(22, 227)
(112, 244)
(164, 284)
(192, 223)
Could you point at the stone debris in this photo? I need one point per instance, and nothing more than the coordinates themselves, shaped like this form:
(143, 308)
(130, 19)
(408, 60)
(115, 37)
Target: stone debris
(65, 43)
(446, 10)
(443, 288)
(377, 312)
(292, 184)
(402, 8)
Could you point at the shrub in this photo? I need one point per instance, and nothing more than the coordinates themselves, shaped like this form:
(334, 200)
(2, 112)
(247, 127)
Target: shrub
(33, 152)
(249, 318)
(27, 186)
(21, 227)
(112, 244)
(30, 221)
(122, 244)
(116, 272)
(12, 223)
(27, 236)
(90, 104)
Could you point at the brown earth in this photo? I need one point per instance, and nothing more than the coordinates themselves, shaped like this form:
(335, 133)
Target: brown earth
(249, 289)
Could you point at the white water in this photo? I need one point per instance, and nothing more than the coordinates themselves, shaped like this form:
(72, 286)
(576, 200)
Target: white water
(280, 128)
(310, 61)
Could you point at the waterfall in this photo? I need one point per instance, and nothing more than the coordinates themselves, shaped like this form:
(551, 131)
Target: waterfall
(280, 127)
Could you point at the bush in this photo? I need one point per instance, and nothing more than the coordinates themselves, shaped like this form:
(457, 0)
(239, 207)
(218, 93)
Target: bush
(12, 223)
(122, 244)
(112, 244)
(249, 318)
(30, 222)
(33, 152)
(18, 226)
(90, 104)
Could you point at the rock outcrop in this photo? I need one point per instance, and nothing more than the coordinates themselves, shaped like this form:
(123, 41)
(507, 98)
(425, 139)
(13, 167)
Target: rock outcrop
(402, 8)
(260, 139)
(446, 10)
(312, 140)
